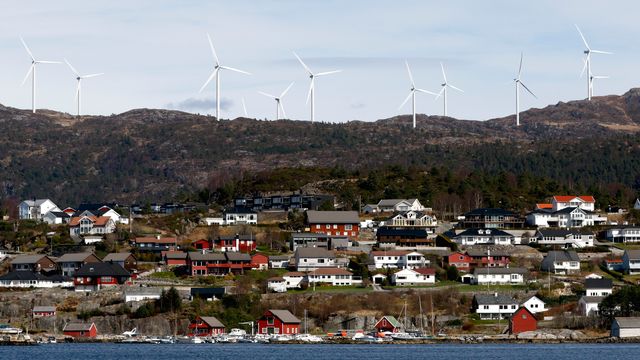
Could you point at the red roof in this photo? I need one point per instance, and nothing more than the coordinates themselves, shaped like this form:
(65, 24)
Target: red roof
(390, 253)
(567, 198)
(613, 260)
(97, 221)
(544, 206)
(425, 271)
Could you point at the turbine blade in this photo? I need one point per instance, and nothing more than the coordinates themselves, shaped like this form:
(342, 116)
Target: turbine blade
(267, 95)
(213, 50)
(413, 84)
(600, 77)
(582, 36)
(48, 62)
(405, 100)
(284, 114)
(601, 52)
(27, 48)
(455, 88)
(71, 67)
(526, 88)
(439, 93)
(303, 64)
(286, 90)
(426, 92)
(310, 89)
(520, 67)
(443, 74)
(213, 75)
(236, 70)
(91, 75)
(28, 73)
(328, 73)
(585, 61)
(244, 107)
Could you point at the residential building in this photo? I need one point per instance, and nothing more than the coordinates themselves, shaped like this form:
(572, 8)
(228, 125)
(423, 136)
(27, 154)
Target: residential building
(400, 205)
(340, 223)
(625, 327)
(333, 276)
(588, 305)
(174, 258)
(585, 202)
(534, 305)
(206, 326)
(28, 279)
(34, 263)
(69, 263)
(489, 257)
(132, 294)
(91, 225)
(279, 261)
(99, 210)
(412, 277)
(309, 259)
(155, 244)
(126, 260)
(80, 330)
(397, 259)
(522, 320)
(95, 276)
(478, 236)
(388, 323)
(561, 262)
(598, 287)
(43, 311)
(278, 322)
(239, 216)
(35, 209)
(566, 238)
(614, 264)
(308, 239)
(284, 202)
(494, 306)
(413, 218)
(460, 260)
(499, 276)
(491, 218)
(260, 261)
(219, 264)
(237, 243)
(53, 217)
(623, 234)
(403, 238)
(631, 261)
(560, 215)
(293, 280)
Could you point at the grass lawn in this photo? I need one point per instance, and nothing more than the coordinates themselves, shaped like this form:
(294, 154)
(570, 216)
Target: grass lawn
(622, 246)
(346, 289)
(496, 288)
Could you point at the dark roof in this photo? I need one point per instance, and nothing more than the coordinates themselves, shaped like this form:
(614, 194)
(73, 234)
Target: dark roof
(175, 255)
(60, 214)
(387, 231)
(598, 284)
(241, 237)
(75, 257)
(564, 255)
(239, 210)
(27, 259)
(237, 256)
(116, 256)
(332, 217)
(279, 257)
(569, 210)
(314, 252)
(490, 212)
(477, 232)
(102, 269)
(285, 316)
(494, 299)
(28, 275)
(198, 256)
(212, 321)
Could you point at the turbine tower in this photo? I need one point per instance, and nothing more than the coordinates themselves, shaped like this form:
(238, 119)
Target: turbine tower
(278, 100)
(587, 64)
(217, 68)
(518, 84)
(79, 78)
(32, 72)
(312, 76)
(412, 95)
(445, 85)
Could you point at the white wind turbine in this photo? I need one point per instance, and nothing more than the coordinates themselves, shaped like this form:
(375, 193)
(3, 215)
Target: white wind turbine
(79, 78)
(312, 76)
(32, 72)
(587, 64)
(518, 84)
(445, 85)
(412, 95)
(216, 73)
(278, 100)
(244, 107)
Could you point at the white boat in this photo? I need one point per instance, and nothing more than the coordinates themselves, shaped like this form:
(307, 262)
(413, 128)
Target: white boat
(360, 337)
(167, 340)
(261, 338)
(5, 329)
(235, 332)
(308, 338)
(282, 338)
(403, 336)
(189, 340)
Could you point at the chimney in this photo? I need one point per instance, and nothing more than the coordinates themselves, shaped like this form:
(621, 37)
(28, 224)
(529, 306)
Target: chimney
(158, 237)
(495, 294)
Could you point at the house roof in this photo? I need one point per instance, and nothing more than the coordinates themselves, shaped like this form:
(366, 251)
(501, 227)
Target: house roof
(392, 320)
(96, 220)
(389, 202)
(564, 255)
(239, 210)
(198, 256)
(74, 257)
(569, 210)
(279, 257)
(330, 271)
(78, 327)
(567, 198)
(240, 237)
(387, 231)
(285, 316)
(116, 256)
(142, 290)
(389, 253)
(633, 254)
(44, 309)
(332, 217)
(237, 256)
(60, 214)
(494, 299)
(475, 252)
(490, 212)
(562, 232)
(477, 232)
(36, 202)
(499, 270)
(310, 235)
(27, 259)
(314, 252)
(155, 240)
(592, 299)
(28, 275)
(598, 284)
(212, 321)
(425, 271)
(175, 255)
(628, 322)
(101, 269)
(293, 274)
(544, 206)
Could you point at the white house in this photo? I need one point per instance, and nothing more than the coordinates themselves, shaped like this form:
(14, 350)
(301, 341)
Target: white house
(484, 237)
(238, 216)
(289, 280)
(561, 262)
(584, 202)
(417, 276)
(53, 217)
(588, 305)
(535, 305)
(499, 275)
(563, 237)
(598, 287)
(209, 221)
(28, 279)
(35, 209)
(624, 327)
(278, 261)
(91, 225)
(399, 205)
(494, 306)
(312, 258)
(413, 218)
(333, 276)
(398, 259)
(142, 293)
(631, 261)
(623, 235)
(569, 217)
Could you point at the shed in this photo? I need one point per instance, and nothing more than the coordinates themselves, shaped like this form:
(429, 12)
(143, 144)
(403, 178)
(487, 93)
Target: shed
(624, 327)
(522, 320)
(80, 330)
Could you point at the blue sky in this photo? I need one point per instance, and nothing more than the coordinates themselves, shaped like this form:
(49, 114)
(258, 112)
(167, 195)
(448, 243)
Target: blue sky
(155, 54)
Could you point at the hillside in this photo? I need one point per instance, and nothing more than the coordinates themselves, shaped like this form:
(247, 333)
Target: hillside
(156, 154)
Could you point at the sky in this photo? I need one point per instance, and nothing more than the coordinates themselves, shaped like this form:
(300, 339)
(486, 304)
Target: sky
(155, 54)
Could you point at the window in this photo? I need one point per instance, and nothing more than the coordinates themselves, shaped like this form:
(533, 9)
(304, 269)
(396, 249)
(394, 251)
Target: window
(270, 320)
(348, 227)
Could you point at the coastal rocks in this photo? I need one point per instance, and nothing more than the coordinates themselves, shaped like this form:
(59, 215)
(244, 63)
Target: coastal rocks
(564, 334)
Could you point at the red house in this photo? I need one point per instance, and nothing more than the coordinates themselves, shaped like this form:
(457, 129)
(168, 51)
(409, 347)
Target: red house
(81, 330)
(174, 258)
(461, 261)
(278, 322)
(387, 324)
(260, 261)
(205, 326)
(202, 244)
(237, 243)
(218, 263)
(522, 320)
(43, 311)
(489, 257)
(334, 223)
(94, 276)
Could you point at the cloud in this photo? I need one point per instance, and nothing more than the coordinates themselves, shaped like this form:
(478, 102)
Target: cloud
(200, 104)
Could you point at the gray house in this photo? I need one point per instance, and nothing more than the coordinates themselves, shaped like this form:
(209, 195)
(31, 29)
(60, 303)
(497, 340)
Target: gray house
(624, 327)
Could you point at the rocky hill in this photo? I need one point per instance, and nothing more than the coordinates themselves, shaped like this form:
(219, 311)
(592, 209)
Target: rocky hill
(156, 154)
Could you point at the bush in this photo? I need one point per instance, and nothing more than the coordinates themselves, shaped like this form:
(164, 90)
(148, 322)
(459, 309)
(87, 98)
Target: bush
(145, 311)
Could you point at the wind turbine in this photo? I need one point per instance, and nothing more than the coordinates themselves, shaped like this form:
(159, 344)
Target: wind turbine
(244, 107)
(32, 72)
(412, 95)
(587, 64)
(278, 100)
(80, 78)
(518, 84)
(216, 73)
(312, 76)
(445, 85)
